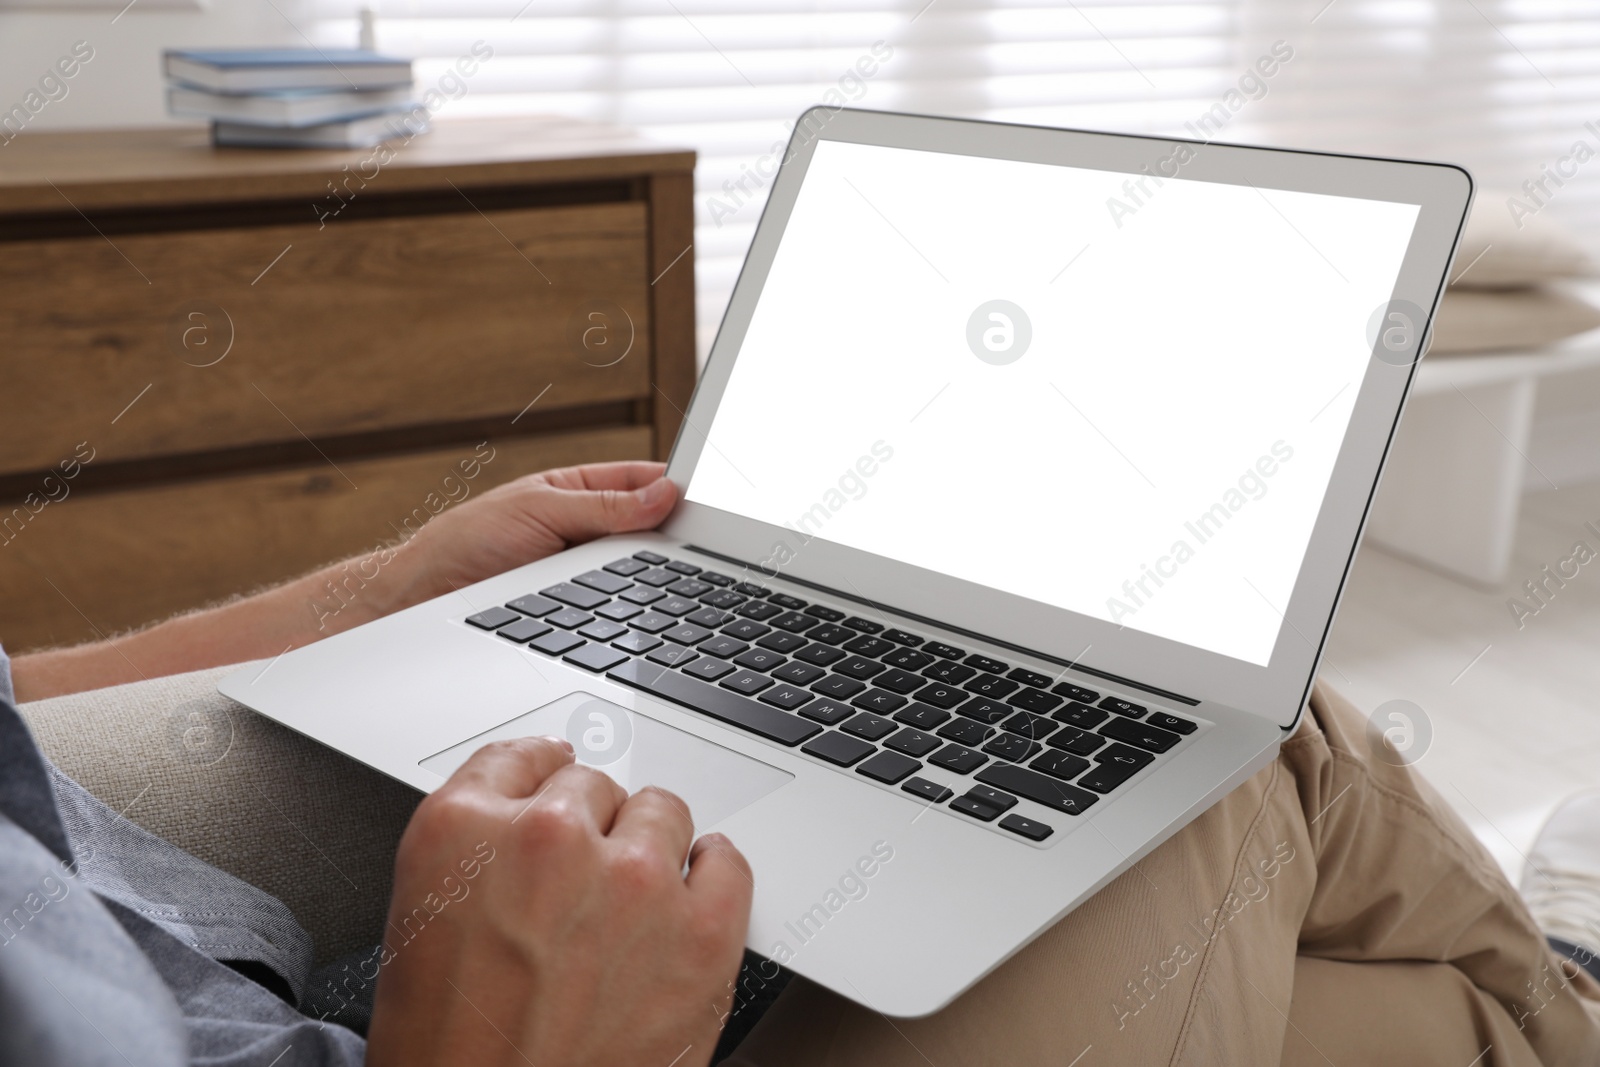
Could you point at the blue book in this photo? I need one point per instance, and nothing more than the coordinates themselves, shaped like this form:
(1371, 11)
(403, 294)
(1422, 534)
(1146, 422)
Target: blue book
(249, 70)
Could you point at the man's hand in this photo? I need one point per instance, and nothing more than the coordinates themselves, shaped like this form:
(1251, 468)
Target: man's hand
(579, 943)
(519, 522)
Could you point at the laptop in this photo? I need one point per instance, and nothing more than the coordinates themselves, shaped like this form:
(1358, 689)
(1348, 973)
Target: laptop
(1018, 493)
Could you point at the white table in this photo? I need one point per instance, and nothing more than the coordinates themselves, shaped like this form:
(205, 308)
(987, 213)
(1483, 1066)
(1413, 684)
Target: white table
(1455, 477)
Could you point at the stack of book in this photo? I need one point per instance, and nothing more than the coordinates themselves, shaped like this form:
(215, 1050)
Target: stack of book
(295, 97)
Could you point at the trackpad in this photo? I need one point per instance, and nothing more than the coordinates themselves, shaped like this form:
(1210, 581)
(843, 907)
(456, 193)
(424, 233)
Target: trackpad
(637, 751)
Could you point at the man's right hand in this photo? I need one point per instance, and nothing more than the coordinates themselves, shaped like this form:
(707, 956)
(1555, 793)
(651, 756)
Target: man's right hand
(578, 943)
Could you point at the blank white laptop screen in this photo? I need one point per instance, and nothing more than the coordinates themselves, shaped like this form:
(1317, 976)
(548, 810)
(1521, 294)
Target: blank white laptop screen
(1117, 399)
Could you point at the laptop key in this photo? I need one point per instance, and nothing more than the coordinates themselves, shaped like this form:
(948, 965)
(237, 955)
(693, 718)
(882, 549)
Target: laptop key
(722, 598)
(1060, 765)
(556, 642)
(992, 797)
(711, 618)
(898, 681)
(721, 581)
(533, 604)
(626, 567)
(1027, 677)
(655, 559)
(1079, 742)
(989, 685)
(760, 659)
(784, 600)
(913, 742)
(1125, 755)
(984, 710)
(674, 605)
(826, 614)
(1034, 700)
(637, 643)
(1141, 734)
(523, 630)
(975, 808)
(838, 687)
(1124, 707)
(723, 647)
(690, 588)
(759, 610)
(941, 650)
(1170, 722)
(602, 582)
(670, 655)
(984, 663)
(492, 618)
(1011, 747)
(1107, 776)
(780, 642)
(837, 748)
(945, 671)
(656, 576)
(1039, 788)
(709, 669)
(830, 634)
(870, 726)
(569, 618)
(922, 716)
(821, 655)
(866, 626)
(941, 696)
(602, 630)
(747, 682)
(868, 646)
(888, 767)
(681, 567)
(595, 658)
(958, 758)
(618, 611)
(750, 589)
(908, 659)
(1076, 692)
(859, 667)
(964, 730)
(785, 696)
(576, 595)
(1028, 725)
(652, 622)
(1081, 715)
(900, 637)
(687, 633)
(642, 594)
(747, 630)
(793, 621)
(827, 711)
(797, 673)
(1026, 827)
(878, 700)
(719, 704)
(929, 791)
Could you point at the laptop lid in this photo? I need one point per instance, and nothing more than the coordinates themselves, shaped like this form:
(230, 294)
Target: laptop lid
(1119, 402)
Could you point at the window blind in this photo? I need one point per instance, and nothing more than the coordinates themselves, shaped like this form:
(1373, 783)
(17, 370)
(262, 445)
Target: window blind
(1504, 86)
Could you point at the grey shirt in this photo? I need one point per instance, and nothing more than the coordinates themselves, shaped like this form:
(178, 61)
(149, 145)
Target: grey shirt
(112, 940)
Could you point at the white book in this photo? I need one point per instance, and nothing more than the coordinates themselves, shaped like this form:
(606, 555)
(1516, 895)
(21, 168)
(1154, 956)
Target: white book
(354, 133)
(248, 70)
(285, 107)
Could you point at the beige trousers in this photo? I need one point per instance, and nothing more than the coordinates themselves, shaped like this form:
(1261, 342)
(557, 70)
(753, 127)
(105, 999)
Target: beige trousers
(1330, 911)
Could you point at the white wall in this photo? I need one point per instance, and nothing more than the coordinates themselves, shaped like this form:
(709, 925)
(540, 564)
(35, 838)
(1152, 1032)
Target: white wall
(122, 85)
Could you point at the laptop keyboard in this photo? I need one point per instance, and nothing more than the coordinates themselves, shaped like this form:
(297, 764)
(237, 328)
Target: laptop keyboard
(868, 699)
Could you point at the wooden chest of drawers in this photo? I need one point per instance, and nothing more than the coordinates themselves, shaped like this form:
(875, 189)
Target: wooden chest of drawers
(224, 367)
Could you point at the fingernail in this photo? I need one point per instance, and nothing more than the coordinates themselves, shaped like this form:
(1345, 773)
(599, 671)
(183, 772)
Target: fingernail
(655, 492)
(562, 741)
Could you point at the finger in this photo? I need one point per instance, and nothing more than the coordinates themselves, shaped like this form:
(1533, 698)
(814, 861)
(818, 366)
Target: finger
(720, 876)
(581, 515)
(514, 768)
(624, 475)
(584, 790)
(659, 818)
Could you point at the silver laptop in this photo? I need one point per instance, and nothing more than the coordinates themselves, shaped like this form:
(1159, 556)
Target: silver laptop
(1018, 494)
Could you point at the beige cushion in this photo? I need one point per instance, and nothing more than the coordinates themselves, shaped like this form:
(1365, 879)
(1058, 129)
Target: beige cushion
(1476, 320)
(1500, 252)
(313, 828)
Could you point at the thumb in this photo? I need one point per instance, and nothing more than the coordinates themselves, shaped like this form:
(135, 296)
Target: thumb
(577, 515)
